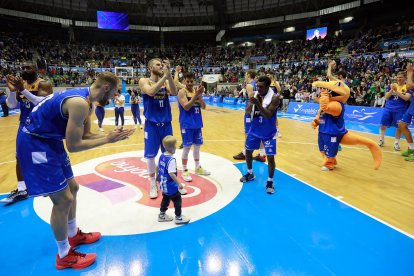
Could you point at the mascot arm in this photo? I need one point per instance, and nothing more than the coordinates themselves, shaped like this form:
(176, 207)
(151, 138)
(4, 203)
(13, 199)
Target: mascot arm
(315, 121)
(332, 108)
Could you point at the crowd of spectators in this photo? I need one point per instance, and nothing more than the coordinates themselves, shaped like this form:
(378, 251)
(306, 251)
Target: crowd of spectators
(296, 64)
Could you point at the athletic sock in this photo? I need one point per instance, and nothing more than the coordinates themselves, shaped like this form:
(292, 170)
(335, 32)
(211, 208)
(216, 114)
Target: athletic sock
(72, 228)
(21, 186)
(63, 248)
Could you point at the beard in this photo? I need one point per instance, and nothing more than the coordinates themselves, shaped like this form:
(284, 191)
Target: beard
(158, 73)
(29, 76)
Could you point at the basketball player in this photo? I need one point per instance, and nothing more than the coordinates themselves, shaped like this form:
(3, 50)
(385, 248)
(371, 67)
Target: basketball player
(46, 165)
(250, 88)
(119, 102)
(33, 86)
(157, 111)
(263, 107)
(407, 117)
(190, 104)
(395, 106)
(278, 90)
(179, 85)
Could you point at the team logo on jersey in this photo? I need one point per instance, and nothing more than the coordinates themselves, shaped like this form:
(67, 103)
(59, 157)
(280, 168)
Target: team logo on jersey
(115, 188)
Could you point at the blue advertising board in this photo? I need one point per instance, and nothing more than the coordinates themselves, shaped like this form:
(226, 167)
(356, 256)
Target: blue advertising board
(362, 114)
(402, 43)
(207, 99)
(217, 99)
(229, 100)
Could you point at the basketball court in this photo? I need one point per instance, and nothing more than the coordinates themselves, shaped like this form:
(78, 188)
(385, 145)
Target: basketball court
(351, 221)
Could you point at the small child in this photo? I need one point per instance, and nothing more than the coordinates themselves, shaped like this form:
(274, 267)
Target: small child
(169, 183)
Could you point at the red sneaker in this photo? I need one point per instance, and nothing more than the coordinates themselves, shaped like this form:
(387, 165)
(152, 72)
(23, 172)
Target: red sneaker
(84, 238)
(75, 260)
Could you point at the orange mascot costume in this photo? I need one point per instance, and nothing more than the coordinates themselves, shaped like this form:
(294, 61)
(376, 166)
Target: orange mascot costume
(332, 131)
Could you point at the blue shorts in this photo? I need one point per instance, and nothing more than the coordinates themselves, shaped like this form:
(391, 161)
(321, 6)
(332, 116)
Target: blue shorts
(3, 99)
(253, 143)
(247, 122)
(21, 125)
(45, 164)
(391, 118)
(192, 137)
(329, 143)
(153, 135)
(407, 117)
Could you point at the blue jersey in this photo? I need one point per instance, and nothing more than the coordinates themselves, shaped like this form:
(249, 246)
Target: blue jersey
(157, 109)
(253, 83)
(167, 184)
(261, 127)
(25, 105)
(190, 119)
(411, 107)
(47, 119)
(395, 103)
(332, 125)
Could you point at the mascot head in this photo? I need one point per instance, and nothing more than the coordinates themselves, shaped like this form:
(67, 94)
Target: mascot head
(338, 90)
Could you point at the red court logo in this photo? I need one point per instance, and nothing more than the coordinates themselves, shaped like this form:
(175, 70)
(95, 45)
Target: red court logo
(114, 193)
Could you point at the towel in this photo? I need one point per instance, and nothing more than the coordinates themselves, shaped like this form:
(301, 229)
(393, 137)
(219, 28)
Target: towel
(266, 100)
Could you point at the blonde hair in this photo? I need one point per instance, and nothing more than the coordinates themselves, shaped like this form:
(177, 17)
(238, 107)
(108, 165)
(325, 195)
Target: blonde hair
(401, 73)
(107, 77)
(168, 142)
(152, 61)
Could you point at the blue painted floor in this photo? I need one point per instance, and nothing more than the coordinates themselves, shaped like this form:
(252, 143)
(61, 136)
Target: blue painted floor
(296, 231)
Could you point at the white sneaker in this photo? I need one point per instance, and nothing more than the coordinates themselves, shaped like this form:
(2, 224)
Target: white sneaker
(140, 126)
(153, 190)
(101, 129)
(181, 220)
(186, 176)
(325, 169)
(397, 147)
(279, 134)
(381, 143)
(164, 217)
(201, 171)
(135, 126)
(182, 191)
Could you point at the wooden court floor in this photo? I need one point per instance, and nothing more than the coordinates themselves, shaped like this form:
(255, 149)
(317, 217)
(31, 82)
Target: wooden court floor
(386, 194)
